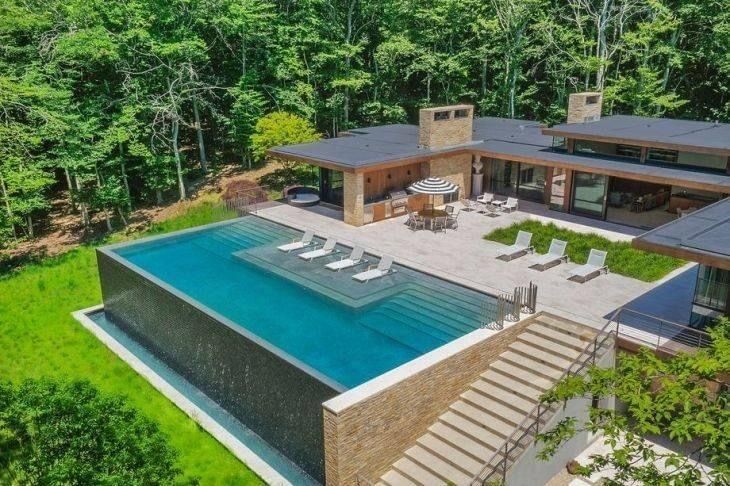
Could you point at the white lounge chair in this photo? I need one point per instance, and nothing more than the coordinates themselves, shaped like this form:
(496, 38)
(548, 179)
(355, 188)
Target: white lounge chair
(327, 249)
(596, 264)
(381, 270)
(511, 204)
(307, 240)
(521, 246)
(485, 198)
(354, 259)
(555, 255)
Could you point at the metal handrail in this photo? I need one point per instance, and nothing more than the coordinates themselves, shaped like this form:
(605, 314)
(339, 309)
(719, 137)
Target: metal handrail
(679, 333)
(538, 412)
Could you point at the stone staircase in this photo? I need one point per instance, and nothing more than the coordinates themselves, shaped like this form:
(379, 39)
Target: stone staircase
(468, 434)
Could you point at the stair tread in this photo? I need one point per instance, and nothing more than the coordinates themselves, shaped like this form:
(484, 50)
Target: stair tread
(514, 372)
(394, 478)
(564, 326)
(437, 466)
(538, 355)
(513, 384)
(534, 366)
(496, 423)
(415, 472)
(548, 332)
(450, 454)
(463, 442)
(470, 429)
(549, 346)
(490, 405)
(505, 396)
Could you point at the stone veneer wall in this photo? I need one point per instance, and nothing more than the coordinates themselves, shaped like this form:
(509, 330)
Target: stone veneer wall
(456, 169)
(365, 438)
(579, 111)
(354, 198)
(443, 133)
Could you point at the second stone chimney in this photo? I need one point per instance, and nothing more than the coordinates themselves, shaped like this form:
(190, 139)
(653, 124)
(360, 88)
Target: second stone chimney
(584, 107)
(445, 126)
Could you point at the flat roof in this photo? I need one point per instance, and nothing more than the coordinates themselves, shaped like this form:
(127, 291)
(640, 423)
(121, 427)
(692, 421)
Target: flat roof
(614, 166)
(680, 134)
(702, 236)
(518, 140)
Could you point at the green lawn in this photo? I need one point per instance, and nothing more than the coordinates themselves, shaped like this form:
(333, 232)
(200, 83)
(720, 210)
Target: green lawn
(622, 257)
(38, 337)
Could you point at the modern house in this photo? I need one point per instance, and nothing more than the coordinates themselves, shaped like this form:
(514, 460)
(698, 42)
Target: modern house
(704, 237)
(630, 170)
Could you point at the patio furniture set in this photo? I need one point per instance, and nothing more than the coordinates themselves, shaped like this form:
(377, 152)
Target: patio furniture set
(595, 265)
(433, 218)
(489, 205)
(356, 257)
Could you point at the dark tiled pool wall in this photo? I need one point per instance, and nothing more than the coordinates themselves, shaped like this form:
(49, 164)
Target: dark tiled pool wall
(274, 398)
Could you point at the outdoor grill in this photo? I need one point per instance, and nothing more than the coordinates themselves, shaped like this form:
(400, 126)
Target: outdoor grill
(398, 201)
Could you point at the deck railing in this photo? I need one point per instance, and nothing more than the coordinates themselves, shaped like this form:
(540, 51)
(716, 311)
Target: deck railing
(658, 333)
(496, 468)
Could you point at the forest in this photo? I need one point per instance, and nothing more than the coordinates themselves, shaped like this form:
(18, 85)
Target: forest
(116, 104)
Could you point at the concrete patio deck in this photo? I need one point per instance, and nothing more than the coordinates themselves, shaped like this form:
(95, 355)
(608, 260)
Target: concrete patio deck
(463, 256)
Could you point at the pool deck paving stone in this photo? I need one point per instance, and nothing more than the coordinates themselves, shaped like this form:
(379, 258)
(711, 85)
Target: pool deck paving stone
(463, 256)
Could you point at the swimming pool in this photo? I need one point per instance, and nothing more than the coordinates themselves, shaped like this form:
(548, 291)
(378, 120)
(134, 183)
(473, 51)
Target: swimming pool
(268, 336)
(348, 331)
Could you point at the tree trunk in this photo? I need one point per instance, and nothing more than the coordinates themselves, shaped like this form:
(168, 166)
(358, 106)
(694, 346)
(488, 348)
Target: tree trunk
(86, 221)
(125, 179)
(71, 198)
(29, 220)
(9, 210)
(178, 162)
(121, 216)
(199, 131)
(158, 196)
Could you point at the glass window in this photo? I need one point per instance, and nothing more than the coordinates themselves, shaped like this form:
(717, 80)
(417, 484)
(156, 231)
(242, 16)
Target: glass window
(503, 177)
(331, 186)
(441, 115)
(532, 182)
(663, 156)
(557, 189)
(713, 288)
(628, 151)
(461, 113)
(560, 143)
(589, 193)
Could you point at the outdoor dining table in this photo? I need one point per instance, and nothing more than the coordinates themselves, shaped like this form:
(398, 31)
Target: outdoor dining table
(431, 214)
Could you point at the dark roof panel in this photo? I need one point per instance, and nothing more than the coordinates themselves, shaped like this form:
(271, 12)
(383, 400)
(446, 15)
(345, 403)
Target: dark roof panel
(663, 130)
(703, 234)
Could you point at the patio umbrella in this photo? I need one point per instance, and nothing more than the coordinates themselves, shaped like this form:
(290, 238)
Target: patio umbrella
(433, 186)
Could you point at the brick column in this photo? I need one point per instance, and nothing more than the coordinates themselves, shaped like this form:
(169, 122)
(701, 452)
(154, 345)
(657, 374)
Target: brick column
(354, 198)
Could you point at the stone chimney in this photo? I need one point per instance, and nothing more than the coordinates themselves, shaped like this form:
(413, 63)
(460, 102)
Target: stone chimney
(445, 126)
(584, 107)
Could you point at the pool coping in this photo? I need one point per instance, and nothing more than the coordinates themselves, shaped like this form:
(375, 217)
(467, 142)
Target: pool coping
(242, 452)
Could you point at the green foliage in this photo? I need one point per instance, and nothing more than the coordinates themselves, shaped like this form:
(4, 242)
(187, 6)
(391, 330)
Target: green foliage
(622, 257)
(677, 397)
(40, 339)
(69, 433)
(280, 128)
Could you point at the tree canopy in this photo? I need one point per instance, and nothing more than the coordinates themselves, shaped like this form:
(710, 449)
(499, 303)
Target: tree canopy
(683, 398)
(70, 433)
(120, 103)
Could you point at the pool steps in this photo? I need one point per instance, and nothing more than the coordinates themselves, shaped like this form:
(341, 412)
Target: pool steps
(468, 434)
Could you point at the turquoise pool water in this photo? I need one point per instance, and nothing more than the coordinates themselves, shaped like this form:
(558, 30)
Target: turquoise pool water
(348, 331)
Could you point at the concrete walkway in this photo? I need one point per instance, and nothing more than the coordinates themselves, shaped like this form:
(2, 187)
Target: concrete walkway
(463, 256)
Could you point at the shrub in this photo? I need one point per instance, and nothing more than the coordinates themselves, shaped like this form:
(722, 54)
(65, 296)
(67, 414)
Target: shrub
(70, 433)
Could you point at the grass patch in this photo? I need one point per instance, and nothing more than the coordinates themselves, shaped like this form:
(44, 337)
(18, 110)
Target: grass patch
(622, 257)
(39, 338)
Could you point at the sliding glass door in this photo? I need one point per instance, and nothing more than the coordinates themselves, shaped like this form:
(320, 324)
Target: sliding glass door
(589, 194)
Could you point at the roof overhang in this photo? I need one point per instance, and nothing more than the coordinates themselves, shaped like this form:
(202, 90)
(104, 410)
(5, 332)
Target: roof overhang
(635, 141)
(702, 236)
